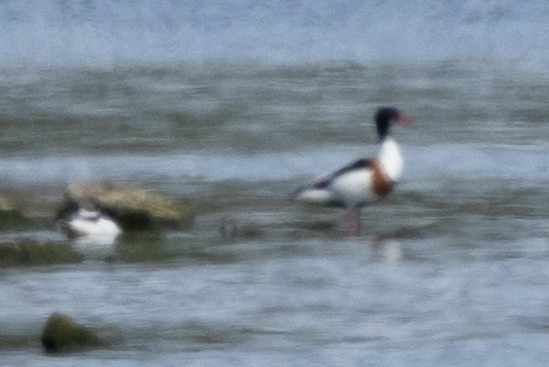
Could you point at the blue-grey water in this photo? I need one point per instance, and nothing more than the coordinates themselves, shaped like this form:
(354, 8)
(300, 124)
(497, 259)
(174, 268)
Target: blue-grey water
(231, 106)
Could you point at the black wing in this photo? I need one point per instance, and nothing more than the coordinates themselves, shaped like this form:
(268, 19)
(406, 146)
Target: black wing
(358, 164)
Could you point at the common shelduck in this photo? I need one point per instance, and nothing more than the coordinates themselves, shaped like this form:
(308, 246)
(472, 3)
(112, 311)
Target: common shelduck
(364, 181)
(85, 223)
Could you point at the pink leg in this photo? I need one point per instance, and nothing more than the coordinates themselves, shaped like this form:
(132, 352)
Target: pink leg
(353, 221)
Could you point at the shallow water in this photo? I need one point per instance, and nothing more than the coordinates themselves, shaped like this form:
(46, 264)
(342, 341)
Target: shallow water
(451, 269)
(230, 106)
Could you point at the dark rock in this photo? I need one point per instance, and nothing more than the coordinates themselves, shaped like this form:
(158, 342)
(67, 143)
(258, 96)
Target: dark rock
(62, 334)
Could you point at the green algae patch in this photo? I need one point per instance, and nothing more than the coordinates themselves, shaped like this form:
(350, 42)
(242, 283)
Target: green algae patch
(133, 208)
(62, 334)
(36, 253)
(10, 217)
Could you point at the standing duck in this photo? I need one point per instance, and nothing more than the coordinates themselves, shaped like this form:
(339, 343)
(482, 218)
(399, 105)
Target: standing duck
(364, 181)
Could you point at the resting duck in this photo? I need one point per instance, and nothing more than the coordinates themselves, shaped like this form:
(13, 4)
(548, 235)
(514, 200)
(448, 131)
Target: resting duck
(364, 181)
(87, 220)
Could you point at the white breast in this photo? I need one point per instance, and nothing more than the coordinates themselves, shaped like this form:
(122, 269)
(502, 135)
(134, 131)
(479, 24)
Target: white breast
(391, 159)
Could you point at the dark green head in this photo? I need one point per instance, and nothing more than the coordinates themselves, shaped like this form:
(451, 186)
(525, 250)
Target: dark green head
(385, 117)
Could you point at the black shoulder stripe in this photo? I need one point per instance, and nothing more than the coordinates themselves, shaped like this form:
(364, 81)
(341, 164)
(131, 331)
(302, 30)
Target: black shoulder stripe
(322, 184)
(358, 164)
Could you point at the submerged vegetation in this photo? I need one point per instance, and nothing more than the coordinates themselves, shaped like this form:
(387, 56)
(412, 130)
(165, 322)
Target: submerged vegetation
(31, 253)
(9, 216)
